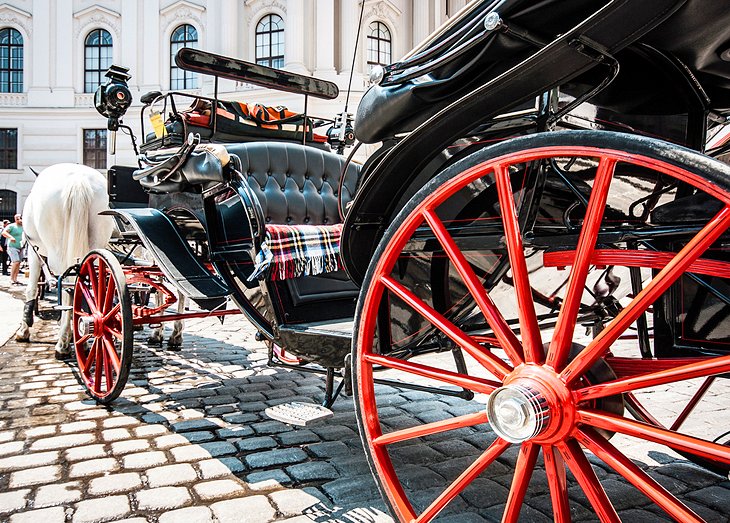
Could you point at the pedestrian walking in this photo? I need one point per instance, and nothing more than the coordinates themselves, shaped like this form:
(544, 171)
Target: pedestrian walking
(4, 248)
(13, 234)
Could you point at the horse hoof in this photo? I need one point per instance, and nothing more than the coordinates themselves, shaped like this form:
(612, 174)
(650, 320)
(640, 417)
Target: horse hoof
(156, 342)
(22, 339)
(62, 356)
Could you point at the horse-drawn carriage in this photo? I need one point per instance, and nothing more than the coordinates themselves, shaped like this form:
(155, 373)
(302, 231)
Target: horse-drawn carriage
(543, 209)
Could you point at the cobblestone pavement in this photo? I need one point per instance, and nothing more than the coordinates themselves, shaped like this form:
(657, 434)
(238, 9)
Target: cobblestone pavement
(188, 442)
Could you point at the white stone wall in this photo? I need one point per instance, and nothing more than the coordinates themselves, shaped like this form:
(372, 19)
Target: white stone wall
(53, 110)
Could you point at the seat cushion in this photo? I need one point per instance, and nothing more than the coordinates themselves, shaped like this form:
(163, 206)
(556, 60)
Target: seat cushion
(295, 184)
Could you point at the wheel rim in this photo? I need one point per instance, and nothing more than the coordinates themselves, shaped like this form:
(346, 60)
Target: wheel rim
(101, 321)
(544, 382)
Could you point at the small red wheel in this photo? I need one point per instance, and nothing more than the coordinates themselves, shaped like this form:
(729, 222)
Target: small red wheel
(102, 325)
(529, 281)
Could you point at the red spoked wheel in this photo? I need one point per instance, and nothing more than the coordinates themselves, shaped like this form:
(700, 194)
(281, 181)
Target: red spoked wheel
(102, 325)
(569, 290)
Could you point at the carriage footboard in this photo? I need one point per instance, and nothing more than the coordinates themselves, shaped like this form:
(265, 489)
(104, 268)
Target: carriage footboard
(175, 258)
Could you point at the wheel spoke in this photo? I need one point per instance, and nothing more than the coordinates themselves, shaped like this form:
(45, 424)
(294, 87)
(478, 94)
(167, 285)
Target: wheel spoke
(644, 431)
(99, 362)
(634, 475)
(101, 278)
(487, 458)
(557, 482)
(472, 383)
(488, 360)
(468, 420)
(506, 337)
(586, 477)
(529, 328)
(111, 288)
(112, 355)
(563, 337)
(520, 481)
(704, 367)
(661, 282)
(108, 373)
(89, 299)
(114, 332)
(85, 363)
(115, 310)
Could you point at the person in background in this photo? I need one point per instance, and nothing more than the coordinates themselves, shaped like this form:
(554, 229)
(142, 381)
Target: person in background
(13, 234)
(4, 248)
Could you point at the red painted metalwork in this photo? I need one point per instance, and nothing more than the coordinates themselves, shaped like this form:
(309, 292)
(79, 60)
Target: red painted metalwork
(572, 406)
(529, 328)
(696, 397)
(637, 258)
(563, 336)
(505, 337)
(146, 320)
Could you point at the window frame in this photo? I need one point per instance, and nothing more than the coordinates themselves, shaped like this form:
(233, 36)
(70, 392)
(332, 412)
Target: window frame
(95, 157)
(8, 152)
(374, 30)
(10, 86)
(189, 79)
(269, 59)
(90, 86)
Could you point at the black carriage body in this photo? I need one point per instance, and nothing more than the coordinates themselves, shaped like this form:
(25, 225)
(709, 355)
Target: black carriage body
(615, 65)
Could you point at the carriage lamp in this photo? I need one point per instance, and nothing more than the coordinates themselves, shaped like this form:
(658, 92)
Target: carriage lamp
(113, 98)
(376, 74)
(492, 21)
(517, 413)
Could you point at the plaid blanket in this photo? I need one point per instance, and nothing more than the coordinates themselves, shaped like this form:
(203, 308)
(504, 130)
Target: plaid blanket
(299, 250)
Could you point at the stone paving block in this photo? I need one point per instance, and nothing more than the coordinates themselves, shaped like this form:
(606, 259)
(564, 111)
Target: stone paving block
(163, 498)
(267, 479)
(35, 476)
(328, 449)
(12, 447)
(715, 497)
(240, 418)
(188, 515)
(293, 502)
(170, 440)
(77, 426)
(146, 431)
(350, 490)
(45, 515)
(297, 437)
(102, 509)
(199, 436)
(215, 468)
(252, 444)
(115, 483)
(217, 489)
(13, 500)
(93, 467)
(25, 461)
(120, 421)
(271, 427)
(273, 458)
(218, 448)
(115, 434)
(49, 495)
(312, 471)
(189, 453)
(171, 475)
(87, 452)
(128, 446)
(194, 425)
(257, 510)
(234, 432)
(144, 460)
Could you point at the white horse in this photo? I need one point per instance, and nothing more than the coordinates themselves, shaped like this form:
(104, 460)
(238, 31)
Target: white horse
(61, 220)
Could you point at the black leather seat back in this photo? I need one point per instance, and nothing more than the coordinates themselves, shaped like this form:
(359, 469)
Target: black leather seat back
(296, 185)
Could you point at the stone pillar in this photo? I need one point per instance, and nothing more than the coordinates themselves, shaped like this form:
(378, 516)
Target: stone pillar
(294, 44)
(39, 94)
(349, 17)
(65, 45)
(325, 31)
(151, 40)
(127, 46)
(421, 26)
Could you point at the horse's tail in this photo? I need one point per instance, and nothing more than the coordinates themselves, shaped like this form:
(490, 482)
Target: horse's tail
(77, 196)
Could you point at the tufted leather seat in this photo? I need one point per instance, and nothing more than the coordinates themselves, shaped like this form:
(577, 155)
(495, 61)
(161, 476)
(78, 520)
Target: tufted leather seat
(296, 185)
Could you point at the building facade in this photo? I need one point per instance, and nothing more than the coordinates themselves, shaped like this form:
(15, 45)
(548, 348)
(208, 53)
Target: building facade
(53, 54)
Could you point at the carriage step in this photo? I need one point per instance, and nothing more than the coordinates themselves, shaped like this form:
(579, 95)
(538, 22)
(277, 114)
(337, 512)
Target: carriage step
(298, 413)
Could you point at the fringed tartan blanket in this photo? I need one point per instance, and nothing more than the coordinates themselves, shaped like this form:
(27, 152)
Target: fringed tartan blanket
(299, 250)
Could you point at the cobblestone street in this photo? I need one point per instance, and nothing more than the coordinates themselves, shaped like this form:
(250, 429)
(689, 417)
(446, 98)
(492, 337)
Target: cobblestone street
(188, 442)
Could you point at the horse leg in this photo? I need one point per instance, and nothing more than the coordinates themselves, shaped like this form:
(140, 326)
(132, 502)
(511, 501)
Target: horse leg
(176, 338)
(65, 335)
(23, 333)
(156, 336)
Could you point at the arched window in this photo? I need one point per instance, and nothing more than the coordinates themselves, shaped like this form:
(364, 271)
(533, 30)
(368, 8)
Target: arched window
(97, 58)
(379, 44)
(11, 61)
(183, 36)
(270, 41)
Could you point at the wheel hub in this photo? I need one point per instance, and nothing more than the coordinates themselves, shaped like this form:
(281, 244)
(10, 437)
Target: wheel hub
(87, 326)
(518, 412)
